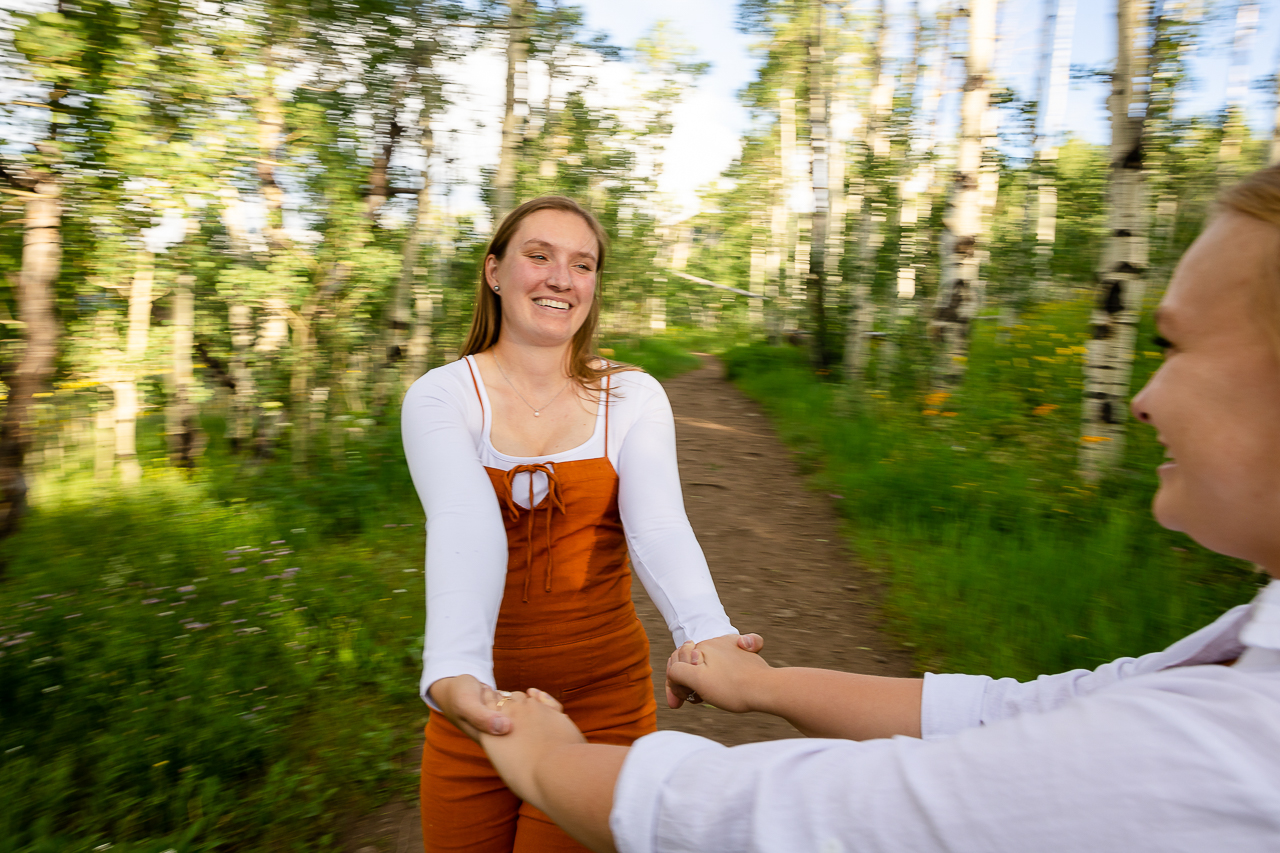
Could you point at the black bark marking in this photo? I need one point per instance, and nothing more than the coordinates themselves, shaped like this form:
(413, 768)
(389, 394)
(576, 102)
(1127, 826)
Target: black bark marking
(1106, 412)
(1111, 299)
(1122, 232)
(1133, 159)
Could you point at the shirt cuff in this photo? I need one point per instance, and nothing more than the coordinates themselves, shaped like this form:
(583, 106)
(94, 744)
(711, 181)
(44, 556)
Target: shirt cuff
(434, 671)
(650, 762)
(951, 703)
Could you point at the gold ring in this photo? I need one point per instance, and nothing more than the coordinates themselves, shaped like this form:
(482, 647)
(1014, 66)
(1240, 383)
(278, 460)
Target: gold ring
(505, 694)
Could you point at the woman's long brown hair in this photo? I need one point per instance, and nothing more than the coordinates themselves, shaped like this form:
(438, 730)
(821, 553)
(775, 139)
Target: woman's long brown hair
(486, 322)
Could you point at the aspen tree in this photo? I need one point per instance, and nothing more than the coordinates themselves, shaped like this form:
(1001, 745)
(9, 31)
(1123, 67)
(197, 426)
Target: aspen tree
(1233, 119)
(789, 251)
(182, 431)
(54, 46)
(1275, 126)
(816, 66)
(1042, 200)
(125, 385)
(959, 289)
(1121, 274)
(515, 108)
(875, 145)
(910, 178)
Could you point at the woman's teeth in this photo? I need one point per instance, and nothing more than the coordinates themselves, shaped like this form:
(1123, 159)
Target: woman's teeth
(552, 303)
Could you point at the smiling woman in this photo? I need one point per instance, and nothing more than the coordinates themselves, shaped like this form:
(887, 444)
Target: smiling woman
(546, 473)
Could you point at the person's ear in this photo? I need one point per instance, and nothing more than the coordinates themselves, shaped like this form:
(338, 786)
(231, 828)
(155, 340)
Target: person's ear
(491, 271)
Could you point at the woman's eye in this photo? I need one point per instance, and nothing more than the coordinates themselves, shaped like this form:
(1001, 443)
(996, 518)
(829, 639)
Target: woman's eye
(1161, 342)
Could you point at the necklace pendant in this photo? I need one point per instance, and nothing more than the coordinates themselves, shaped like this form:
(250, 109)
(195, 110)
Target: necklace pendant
(537, 414)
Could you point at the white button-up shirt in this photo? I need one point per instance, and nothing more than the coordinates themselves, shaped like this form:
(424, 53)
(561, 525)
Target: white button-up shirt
(1160, 753)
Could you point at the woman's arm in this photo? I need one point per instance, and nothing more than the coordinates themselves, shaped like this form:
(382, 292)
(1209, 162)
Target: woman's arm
(818, 702)
(664, 551)
(466, 551)
(548, 764)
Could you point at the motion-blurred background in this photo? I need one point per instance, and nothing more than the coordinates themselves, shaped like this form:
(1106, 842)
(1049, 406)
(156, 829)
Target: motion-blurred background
(926, 234)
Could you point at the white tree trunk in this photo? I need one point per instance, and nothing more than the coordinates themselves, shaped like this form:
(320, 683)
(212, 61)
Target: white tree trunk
(819, 163)
(788, 284)
(960, 290)
(862, 310)
(757, 273)
(1275, 127)
(1237, 88)
(244, 399)
(126, 385)
(181, 427)
(516, 109)
(1109, 359)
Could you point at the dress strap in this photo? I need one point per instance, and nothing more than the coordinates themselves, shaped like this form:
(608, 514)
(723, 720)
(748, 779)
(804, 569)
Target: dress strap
(475, 385)
(605, 402)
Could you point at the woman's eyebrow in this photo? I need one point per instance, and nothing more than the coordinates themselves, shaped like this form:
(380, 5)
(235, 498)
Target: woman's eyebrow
(534, 242)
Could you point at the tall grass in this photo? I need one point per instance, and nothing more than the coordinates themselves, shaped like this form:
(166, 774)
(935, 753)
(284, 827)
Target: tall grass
(998, 559)
(226, 660)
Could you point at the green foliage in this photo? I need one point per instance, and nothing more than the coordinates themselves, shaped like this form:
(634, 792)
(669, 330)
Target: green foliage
(998, 559)
(183, 669)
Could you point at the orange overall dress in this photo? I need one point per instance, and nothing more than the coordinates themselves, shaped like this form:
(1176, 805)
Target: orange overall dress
(566, 626)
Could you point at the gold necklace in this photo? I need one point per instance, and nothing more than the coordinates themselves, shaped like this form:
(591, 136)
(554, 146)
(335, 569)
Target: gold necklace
(537, 411)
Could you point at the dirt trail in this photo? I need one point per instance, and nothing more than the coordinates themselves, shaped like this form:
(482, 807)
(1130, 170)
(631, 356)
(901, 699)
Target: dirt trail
(775, 553)
(774, 550)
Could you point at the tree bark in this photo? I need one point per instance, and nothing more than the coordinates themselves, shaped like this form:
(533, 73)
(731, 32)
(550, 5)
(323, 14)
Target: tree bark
(244, 394)
(1121, 275)
(41, 263)
(504, 180)
(404, 335)
(959, 294)
(1233, 119)
(1275, 127)
(816, 68)
(182, 428)
(126, 384)
(875, 144)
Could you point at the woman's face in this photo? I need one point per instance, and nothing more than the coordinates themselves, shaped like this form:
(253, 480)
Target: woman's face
(546, 279)
(1215, 401)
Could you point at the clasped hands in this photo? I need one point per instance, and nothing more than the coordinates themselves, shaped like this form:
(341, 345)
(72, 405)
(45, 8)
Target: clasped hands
(719, 671)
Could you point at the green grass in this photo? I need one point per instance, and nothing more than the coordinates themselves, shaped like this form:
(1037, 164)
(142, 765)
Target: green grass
(223, 661)
(998, 558)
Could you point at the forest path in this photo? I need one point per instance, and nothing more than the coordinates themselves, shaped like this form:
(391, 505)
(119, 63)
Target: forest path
(775, 552)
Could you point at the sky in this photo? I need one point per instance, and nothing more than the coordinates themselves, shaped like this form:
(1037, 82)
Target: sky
(710, 123)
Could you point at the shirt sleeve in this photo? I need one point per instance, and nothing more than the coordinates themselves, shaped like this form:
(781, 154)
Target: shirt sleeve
(664, 552)
(1173, 761)
(953, 702)
(466, 541)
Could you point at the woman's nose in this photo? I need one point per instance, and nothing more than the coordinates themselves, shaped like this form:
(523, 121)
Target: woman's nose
(1138, 405)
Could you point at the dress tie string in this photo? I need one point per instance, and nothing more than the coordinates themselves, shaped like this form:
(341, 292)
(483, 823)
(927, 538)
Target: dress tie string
(553, 502)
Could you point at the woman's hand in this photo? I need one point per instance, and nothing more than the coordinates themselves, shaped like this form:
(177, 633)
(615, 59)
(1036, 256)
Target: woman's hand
(538, 727)
(724, 671)
(470, 705)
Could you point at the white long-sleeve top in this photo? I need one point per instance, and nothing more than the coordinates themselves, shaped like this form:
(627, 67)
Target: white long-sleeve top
(446, 441)
(1160, 753)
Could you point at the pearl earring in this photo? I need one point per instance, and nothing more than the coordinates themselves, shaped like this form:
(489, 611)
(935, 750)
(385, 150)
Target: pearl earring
(496, 288)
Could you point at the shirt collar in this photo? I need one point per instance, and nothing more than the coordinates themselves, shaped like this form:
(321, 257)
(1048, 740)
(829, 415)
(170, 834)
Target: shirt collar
(1261, 632)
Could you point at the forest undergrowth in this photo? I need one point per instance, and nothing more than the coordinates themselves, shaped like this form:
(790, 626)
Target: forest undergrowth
(997, 557)
(226, 660)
